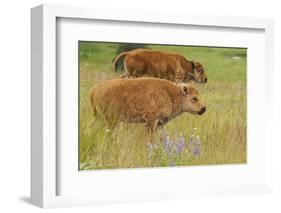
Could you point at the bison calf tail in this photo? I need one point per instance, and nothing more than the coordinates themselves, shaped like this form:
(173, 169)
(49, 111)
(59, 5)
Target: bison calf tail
(117, 58)
(93, 107)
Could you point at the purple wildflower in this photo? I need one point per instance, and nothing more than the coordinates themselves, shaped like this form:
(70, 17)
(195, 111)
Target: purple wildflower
(180, 144)
(167, 143)
(196, 148)
(194, 143)
(196, 151)
(173, 147)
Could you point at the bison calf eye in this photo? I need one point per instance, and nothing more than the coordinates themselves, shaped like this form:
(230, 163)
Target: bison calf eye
(195, 99)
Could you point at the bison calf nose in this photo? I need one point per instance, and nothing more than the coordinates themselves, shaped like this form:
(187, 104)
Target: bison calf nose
(202, 110)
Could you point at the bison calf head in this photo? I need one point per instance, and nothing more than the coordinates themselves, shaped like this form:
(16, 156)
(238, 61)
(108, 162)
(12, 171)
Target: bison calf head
(199, 74)
(191, 102)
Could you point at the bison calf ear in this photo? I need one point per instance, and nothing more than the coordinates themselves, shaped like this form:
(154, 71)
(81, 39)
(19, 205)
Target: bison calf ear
(193, 64)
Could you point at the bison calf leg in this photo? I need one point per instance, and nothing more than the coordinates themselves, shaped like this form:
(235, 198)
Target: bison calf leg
(150, 127)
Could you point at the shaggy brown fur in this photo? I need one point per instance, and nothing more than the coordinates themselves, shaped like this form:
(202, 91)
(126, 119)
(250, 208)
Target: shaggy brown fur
(146, 100)
(159, 64)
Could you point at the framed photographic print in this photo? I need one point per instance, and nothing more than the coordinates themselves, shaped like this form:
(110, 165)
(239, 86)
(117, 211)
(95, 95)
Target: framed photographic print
(130, 106)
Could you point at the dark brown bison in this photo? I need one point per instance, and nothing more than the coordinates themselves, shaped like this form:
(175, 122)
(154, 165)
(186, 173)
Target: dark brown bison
(166, 65)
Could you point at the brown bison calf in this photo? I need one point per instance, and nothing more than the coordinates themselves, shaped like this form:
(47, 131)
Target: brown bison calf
(144, 100)
(158, 64)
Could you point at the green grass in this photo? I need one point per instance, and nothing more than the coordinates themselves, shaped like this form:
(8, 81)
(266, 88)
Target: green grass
(222, 129)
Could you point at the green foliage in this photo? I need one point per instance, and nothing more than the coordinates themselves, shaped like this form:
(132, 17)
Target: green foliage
(126, 47)
(222, 129)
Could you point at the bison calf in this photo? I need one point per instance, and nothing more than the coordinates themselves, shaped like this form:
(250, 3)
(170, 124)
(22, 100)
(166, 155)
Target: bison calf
(144, 100)
(159, 64)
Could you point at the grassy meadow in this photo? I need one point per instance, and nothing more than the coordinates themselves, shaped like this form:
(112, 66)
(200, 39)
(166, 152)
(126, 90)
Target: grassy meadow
(216, 137)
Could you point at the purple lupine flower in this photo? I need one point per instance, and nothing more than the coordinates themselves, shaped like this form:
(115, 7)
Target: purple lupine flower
(196, 151)
(196, 148)
(180, 144)
(167, 143)
(194, 143)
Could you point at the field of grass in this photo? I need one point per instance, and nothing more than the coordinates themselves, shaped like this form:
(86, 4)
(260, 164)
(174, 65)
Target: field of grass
(216, 137)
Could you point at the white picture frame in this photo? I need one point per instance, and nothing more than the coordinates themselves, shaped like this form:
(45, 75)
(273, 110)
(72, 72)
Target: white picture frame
(44, 155)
